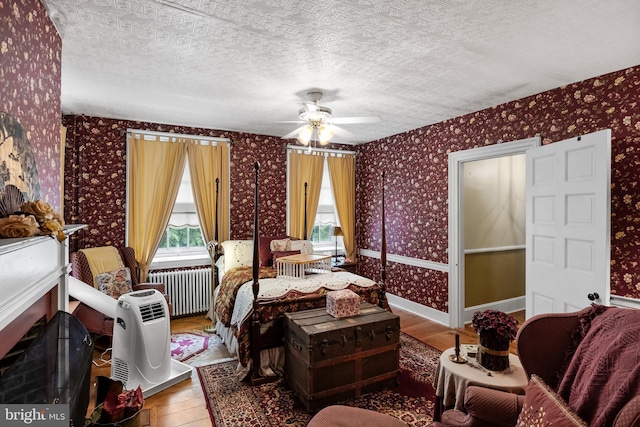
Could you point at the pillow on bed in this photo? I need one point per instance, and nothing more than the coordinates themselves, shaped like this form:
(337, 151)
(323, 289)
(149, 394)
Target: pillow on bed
(304, 246)
(264, 249)
(237, 253)
(280, 245)
(280, 254)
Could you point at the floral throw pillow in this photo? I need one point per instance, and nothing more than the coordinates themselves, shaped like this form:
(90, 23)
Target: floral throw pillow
(281, 254)
(543, 407)
(280, 245)
(115, 283)
(304, 246)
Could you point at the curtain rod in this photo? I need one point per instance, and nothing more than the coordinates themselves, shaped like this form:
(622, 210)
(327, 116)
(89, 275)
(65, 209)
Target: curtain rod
(177, 135)
(322, 150)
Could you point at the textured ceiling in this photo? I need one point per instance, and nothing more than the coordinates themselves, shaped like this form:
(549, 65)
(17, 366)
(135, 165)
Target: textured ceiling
(244, 65)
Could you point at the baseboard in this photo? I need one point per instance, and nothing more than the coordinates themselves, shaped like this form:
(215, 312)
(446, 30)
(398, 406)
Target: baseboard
(508, 306)
(624, 302)
(418, 309)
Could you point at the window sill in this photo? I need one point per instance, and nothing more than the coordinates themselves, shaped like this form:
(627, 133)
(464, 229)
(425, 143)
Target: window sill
(178, 261)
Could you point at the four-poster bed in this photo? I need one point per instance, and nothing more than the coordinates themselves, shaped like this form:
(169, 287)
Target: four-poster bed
(250, 300)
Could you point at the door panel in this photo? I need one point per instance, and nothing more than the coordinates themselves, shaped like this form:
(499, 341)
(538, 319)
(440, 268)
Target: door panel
(568, 224)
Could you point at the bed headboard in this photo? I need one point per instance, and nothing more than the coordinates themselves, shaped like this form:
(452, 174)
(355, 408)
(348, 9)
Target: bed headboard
(239, 253)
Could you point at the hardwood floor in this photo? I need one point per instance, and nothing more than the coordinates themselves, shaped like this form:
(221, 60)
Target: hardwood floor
(183, 405)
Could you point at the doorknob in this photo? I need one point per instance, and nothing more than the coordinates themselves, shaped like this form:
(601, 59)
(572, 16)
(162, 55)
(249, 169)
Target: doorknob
(594, 296)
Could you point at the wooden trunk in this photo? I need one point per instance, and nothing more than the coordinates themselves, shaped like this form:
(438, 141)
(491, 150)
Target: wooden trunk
(328, 360)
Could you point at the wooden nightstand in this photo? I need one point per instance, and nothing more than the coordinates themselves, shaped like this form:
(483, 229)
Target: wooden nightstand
(350, 266)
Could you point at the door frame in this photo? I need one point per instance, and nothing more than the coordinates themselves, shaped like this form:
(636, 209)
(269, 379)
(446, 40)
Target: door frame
(456, 215)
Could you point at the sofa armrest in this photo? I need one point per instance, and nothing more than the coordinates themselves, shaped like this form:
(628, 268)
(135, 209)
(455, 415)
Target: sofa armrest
(486, 407)
(630, 414)
(544, 342)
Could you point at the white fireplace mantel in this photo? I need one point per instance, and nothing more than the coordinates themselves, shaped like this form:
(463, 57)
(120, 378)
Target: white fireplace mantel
(30, 268)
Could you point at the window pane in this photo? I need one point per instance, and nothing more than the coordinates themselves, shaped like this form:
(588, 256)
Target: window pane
(177, 237)
(314, 234)
(163, 241)
(195, 237)
(325, 232)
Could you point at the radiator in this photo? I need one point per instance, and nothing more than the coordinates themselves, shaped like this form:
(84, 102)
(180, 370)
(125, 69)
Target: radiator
(189, 290)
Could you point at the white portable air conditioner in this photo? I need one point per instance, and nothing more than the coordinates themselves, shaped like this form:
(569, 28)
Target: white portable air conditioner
(142, 344)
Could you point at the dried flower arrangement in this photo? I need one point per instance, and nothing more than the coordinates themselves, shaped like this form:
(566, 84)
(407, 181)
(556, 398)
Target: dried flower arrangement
(496, 322)
(21, 218)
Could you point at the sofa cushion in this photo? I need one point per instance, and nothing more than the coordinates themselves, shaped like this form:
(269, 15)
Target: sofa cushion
(347, 416)
(543, 407)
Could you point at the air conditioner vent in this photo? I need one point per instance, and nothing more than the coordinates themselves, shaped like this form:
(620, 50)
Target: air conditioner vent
(152, 311)
(120, 370)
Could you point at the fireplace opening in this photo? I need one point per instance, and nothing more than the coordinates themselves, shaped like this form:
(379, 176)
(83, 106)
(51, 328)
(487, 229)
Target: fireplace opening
(24, 342)
(55, 368)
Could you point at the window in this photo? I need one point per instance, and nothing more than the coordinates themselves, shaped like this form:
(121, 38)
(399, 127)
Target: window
(182, 243)
(326, 218)
(182, 238)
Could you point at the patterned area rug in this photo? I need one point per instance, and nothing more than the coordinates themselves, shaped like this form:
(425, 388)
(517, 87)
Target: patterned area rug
(185, 345)
(196, 348)
(236, 403)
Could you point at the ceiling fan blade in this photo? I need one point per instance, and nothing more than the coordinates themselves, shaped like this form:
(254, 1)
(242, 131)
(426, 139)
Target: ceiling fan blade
(290, 121)
(353, 120)
(293, 133)
(342, 132)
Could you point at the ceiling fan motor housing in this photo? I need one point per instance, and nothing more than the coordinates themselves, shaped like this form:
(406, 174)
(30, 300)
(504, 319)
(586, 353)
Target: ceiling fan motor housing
(320, 115)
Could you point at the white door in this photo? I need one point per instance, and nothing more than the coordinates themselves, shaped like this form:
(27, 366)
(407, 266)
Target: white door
(568, 224)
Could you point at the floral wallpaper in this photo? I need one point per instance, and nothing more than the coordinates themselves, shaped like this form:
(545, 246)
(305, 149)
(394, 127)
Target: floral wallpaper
(30, 50)
(416, 164)
(95, 178)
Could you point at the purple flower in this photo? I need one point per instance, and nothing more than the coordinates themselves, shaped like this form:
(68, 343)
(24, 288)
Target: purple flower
(497, 322)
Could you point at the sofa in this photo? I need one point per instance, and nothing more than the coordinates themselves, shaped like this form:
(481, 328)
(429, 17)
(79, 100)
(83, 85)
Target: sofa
(584, 370)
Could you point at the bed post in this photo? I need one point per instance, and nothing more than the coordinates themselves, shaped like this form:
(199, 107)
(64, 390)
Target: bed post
(255, 316)
(383, 251)
(305, 212)
(213, 246)
(216, 253)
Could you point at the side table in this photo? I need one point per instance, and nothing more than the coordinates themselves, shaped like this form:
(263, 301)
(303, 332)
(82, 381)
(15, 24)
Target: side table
(349, 266)
(452, 380)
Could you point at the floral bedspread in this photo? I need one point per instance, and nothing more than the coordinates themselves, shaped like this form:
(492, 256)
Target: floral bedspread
(279, 296)
(231, 283)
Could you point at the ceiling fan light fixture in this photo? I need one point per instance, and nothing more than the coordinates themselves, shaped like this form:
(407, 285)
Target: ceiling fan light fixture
(305, 135)
(324, 134)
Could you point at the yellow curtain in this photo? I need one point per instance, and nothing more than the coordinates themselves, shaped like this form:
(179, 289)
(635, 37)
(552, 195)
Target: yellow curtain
(304, 167)
(343, 182)
(206, 163)
(155, 172)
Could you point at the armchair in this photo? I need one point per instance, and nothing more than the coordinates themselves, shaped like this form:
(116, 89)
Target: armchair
(93, 320)
(584, 368)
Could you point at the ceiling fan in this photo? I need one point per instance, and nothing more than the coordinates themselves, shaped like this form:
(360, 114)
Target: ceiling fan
(319, 124)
